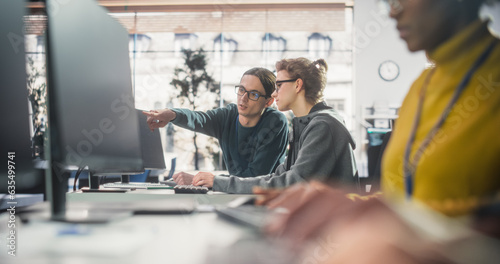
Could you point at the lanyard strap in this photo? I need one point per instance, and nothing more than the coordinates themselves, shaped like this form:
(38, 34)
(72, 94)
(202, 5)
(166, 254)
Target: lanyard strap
(410, 166)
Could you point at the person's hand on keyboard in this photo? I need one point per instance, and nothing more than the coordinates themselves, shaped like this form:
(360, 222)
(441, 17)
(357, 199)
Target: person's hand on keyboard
(204, 179)
(183, 178)
(337, 229)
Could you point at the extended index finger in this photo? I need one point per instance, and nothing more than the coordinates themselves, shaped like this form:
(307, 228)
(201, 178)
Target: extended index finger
(151, 113)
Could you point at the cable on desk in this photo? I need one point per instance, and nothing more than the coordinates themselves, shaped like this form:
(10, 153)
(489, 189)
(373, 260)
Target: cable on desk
(77, 174)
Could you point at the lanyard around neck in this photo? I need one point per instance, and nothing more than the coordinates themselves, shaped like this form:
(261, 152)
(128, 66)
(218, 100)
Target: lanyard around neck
(410, 166)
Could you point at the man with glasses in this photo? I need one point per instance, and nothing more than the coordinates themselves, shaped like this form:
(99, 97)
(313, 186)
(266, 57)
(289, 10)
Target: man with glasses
(252, 136)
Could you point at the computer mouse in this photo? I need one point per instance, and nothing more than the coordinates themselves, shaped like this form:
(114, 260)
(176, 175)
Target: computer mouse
(169, 182)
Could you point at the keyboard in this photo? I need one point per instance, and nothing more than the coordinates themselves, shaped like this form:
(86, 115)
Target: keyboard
(190, 189)
(135, 185)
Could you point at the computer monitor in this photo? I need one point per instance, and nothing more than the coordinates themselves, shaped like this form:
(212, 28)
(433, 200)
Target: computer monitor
(17, 173)
(152, 151)
(92, 117)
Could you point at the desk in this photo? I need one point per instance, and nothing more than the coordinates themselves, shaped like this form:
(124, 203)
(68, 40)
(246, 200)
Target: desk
(189, 238)
(213, 198)
(200, 237)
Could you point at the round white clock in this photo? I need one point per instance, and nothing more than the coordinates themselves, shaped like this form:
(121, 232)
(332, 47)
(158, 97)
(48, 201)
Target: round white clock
(388, 70)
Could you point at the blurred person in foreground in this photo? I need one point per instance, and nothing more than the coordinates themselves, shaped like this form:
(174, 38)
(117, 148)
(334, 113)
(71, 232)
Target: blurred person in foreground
(443, 154)
(320, 146)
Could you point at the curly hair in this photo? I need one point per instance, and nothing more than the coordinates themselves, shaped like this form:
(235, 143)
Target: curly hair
(312, 73)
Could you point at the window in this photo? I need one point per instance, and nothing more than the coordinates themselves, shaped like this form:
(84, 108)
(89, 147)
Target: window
(184, 41)
(319, 46)
(337, 104)
(40, 47)
(273, 47)
(223, 54)
(138, 43)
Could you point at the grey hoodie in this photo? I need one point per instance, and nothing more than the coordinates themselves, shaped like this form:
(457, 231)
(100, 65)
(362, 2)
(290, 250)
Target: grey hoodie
(321, 148)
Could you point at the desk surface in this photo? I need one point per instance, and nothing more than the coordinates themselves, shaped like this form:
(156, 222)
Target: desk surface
(212, 198)
(200, 237)
(189, 238)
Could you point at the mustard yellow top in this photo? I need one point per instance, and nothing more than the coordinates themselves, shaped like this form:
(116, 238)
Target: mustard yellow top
(461, 166)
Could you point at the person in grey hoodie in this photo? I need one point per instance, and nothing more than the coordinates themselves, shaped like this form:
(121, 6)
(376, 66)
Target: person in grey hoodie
(320, 147)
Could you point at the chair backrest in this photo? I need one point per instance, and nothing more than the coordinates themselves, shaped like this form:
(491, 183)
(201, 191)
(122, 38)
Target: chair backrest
(172, 168)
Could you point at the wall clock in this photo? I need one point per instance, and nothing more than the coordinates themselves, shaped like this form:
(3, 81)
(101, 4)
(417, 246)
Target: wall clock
(388, 70)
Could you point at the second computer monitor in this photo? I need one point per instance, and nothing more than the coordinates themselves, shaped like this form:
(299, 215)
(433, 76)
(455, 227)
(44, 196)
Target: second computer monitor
(152, 151)
(17, 173)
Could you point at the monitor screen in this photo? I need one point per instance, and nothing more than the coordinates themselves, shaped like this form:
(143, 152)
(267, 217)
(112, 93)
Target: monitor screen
(92, 117)
(152, 150)
(17, 173)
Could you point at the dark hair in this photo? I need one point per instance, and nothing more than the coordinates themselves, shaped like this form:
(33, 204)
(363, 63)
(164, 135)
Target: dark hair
(312, 73)
(266, 77)
(472, 6)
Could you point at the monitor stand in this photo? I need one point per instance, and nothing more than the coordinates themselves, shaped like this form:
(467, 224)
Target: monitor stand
(94, 186)
(57, 186)
(125, 178)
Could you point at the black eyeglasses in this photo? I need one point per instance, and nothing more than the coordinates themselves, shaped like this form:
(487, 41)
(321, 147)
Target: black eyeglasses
(278, 83)
(252, 95)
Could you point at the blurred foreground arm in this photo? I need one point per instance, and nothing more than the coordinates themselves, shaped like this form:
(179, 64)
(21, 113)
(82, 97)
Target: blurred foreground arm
(323, 225)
